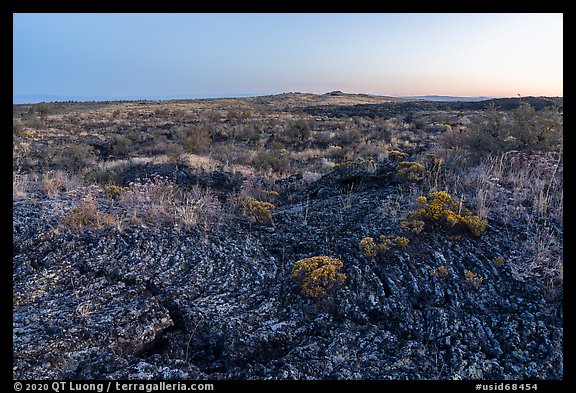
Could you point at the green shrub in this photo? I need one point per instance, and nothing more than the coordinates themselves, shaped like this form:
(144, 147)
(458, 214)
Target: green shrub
(120, 146)
(74, 158)
(266, 160)
(522, 128)
(319, 275)
(298, 132)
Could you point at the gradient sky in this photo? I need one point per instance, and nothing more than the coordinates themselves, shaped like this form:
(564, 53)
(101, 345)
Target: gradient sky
(201, 55)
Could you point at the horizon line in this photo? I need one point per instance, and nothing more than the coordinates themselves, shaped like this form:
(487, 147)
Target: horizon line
(24, 99)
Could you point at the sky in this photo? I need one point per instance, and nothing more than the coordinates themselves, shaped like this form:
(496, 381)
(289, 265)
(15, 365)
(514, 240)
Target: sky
(162, 56)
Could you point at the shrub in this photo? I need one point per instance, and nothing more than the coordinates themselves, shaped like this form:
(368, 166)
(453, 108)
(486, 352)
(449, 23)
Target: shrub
(198, 206)
(55, 182)
(412, 225)
(349, 137)
(523, 128)
(499, 261)
(475, 225)
(473, 279)
(156, 200)
(113, 191)
(86, 214)
(298, 132)
(411, 171)
(152, 200)
(102, 176)
(75, 157)
(259, 211)
(397, 155)
(265, 160)
(120, 147)
(370, 248)
(439, 208)
(197, 139)
(318, 275)
(401, 241)
(440, 272)
(21, 184)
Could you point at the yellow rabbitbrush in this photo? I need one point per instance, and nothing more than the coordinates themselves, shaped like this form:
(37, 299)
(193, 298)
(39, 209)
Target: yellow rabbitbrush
(318, 275)
(259, 211)
(439, 208)
(370, 248)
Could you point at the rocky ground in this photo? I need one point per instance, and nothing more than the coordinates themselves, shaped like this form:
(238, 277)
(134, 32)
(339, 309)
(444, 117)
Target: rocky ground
(218, 303)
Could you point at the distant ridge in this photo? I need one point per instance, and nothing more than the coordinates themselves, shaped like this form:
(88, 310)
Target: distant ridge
(37, 98)
(448, 98)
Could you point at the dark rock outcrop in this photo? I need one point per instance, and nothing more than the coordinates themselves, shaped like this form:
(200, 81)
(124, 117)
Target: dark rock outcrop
(222, 183)
(153, 302)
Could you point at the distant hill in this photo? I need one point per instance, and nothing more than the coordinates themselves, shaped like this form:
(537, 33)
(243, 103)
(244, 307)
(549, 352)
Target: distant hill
(328, 101)
(447, 98)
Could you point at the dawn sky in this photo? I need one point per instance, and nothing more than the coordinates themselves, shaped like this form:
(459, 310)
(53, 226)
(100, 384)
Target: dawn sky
(216, 55)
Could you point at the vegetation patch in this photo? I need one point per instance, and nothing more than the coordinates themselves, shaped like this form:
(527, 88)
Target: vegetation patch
(319, 275)
(258, 211)
(439, 209)
(371, 248)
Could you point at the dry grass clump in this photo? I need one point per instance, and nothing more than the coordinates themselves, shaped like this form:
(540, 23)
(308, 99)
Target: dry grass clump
(54, 183)
(22, 184)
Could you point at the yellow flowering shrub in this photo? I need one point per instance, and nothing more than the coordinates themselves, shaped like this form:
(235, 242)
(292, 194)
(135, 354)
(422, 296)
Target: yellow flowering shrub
(344, 164)
(385, 243)
(318, 275)
(438, 207)
(370, 248)
(412, 171)
(440, 272)
(271, 193)
(475, 225)
(397, 154)
(113, 191)
(401, 241)
(414, 226)
(259, 211)
(473, 279)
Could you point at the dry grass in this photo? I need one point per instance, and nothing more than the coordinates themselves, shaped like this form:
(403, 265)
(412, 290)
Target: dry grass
(515, 189)
(540, 260)
(54, 183)
(198, 206)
